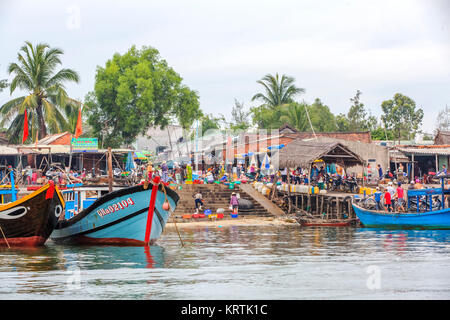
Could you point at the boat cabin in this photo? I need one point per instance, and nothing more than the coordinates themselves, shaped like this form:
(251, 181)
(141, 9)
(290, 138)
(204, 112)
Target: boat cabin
(79, 197)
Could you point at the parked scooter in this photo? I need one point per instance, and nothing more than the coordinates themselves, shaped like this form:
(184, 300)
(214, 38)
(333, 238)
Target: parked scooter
(351, 185)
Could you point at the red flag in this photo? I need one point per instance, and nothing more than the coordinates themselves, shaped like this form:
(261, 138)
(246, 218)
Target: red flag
(25, 128)
(78, 130)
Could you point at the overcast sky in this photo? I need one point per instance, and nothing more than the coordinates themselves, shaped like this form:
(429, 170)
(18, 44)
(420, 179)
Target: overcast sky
(221, 48)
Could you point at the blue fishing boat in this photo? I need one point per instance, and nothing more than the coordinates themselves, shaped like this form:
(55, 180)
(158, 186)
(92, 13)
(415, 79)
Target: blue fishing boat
(120, 217)
(426, 210)
(438, 219)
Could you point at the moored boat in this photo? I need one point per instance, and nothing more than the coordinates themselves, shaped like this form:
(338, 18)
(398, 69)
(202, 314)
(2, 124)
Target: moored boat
(437, 219)
(30, 220)
(120, 217)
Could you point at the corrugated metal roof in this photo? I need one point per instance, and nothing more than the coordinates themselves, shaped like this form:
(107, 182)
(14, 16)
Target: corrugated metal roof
(426, 150)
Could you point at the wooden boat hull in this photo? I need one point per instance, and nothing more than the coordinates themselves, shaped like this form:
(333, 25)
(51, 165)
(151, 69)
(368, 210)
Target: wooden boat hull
(326, 223)
(30, 220)
(118, 218)
(438, 219)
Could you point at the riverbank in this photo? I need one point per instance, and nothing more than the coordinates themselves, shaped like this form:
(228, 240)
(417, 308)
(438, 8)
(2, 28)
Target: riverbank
(241, 221)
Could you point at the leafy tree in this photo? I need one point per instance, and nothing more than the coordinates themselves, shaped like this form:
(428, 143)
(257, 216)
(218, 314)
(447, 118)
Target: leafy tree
(322, 118)
(135, 91)
(382, 134)
(294, 114)
(239, 117)
(35, 73)
(3, 84)
(265, 117)
(401, 116)
(277, 91)
(443, 119)
(342, 123)
(357, 116)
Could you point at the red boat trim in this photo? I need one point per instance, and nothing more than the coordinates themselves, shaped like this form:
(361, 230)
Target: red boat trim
(23, 241)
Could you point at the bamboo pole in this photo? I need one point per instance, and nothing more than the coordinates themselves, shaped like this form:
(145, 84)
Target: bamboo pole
(289, 191)
(110, 173)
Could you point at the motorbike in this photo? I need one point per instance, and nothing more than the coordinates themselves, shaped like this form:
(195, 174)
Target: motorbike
(424, 204)
(334, 183)
(350, 185)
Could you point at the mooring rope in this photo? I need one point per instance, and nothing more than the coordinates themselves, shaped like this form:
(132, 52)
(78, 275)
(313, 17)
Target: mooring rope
(5, 238)
(172, 213)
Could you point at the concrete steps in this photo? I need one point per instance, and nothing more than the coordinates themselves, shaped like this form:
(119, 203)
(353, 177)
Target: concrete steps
(215, 197)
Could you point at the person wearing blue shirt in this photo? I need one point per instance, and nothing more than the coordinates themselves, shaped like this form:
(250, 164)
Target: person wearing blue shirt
(380, 172)
(443, 171)
(377, 198)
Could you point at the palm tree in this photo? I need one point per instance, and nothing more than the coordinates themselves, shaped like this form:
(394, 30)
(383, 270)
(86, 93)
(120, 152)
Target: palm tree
(295, 115)
(278, 91)
(35, 73)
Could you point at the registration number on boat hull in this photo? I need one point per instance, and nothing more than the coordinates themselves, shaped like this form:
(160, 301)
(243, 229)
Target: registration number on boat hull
(115, 207)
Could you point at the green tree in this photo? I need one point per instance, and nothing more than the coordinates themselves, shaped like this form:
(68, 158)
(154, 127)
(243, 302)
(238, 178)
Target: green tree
(294, 114)
(443, 119)
(135, 91)
(342, 123)
(277, 91)
(322, 118)
(401, 116)
(380, 133)
(358, 118)
(3, 84)
(35, 72)
(239, 117)
(265, 117)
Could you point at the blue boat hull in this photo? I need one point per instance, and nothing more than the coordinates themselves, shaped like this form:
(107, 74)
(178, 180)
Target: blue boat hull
(118, 218)
(439, 219)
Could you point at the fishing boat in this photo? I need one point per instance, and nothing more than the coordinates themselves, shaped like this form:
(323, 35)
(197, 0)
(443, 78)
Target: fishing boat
(30, 220)
(128, 216)
(425, 210)
(439, 219)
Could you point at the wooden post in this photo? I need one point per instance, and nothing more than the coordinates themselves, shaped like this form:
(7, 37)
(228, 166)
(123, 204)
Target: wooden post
(289, 190)
(110, 173)
(437, 164)
(309, 186)
(412, 168)
(338, 209)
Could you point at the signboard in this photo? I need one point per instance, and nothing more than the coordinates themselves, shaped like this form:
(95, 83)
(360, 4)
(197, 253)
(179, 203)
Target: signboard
(84, 145)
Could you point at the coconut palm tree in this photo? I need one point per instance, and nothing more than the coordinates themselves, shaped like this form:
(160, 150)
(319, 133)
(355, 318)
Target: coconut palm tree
(277, 91)
(295, 115)
(35, 73)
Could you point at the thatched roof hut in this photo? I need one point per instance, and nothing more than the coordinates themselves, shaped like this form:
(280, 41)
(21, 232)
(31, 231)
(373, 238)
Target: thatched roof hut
(303, 153)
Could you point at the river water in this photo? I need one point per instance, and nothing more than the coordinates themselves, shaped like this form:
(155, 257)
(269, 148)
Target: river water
(270, 262)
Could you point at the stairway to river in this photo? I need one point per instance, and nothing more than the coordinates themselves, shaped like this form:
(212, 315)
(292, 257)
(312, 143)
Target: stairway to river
(215, 196)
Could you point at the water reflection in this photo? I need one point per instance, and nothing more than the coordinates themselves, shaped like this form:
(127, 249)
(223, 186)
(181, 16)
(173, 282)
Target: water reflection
(53, 257)
(276, 262)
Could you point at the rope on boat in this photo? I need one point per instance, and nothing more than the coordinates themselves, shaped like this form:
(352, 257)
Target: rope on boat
(5, 238)
(171, 213)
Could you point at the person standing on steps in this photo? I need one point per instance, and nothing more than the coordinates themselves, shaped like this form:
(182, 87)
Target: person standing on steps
(234, 203)
(198, 198)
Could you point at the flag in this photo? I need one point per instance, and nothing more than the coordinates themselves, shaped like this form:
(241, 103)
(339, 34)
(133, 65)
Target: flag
(78, 130)
(25, 127)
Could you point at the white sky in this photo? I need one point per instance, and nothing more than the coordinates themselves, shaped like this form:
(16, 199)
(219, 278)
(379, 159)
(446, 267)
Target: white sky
(221, 48)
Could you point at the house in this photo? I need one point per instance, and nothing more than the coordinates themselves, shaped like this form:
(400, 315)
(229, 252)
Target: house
(442, 138)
